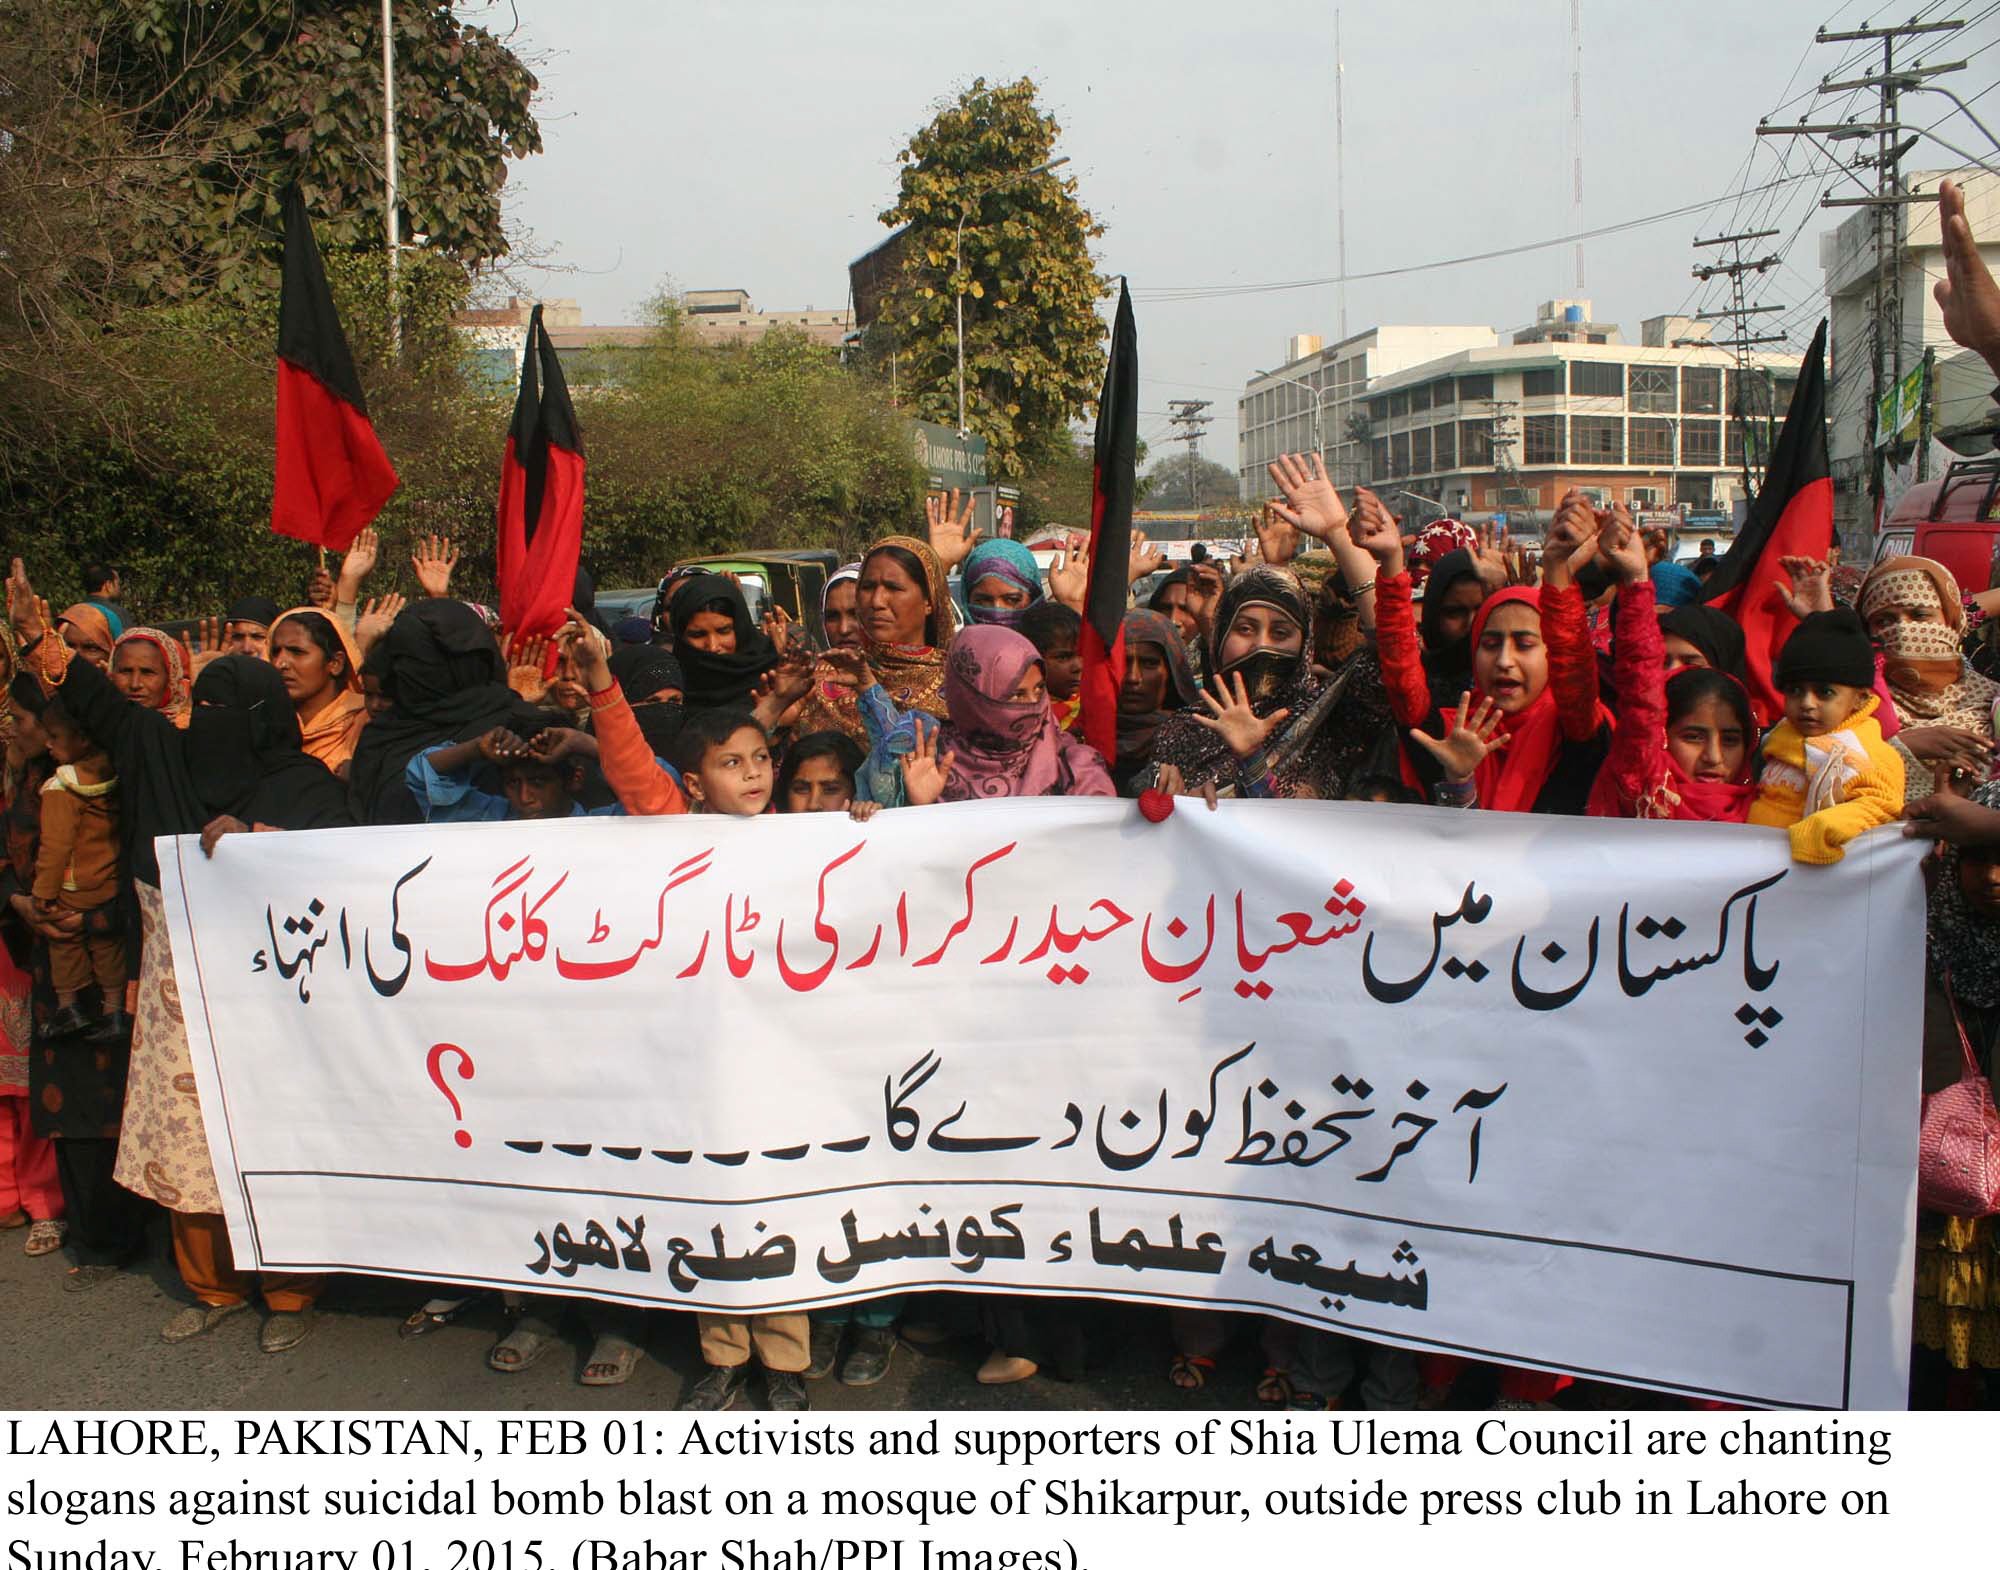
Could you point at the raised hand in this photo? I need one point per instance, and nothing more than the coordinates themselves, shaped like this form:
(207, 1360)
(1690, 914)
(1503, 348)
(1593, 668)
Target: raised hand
(500, 743)
(357, 564)
(1622, 548)
(1146, 558)
(1475, 734)
(848, 668)
(1278, 533)
(583, 645)
(1236, 722)
(782, 686)
(375, 619)
(1374, 528)
(1204, 594)
(924, 772)
(319, 590)
(1967, 296)
(777, 626)
(1069, 578)
(1571, 540)
(433, 559)
(952, 535)
(1316, 507)
(1492, 556)
(24, 609)
(525, 666)
(1811, 586)
(208, 635)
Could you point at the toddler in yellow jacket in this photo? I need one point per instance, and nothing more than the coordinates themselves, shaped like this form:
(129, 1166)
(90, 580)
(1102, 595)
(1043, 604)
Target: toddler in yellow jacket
(1828, 775)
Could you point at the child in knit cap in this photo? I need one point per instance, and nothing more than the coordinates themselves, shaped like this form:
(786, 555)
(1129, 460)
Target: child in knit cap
(1828, 775)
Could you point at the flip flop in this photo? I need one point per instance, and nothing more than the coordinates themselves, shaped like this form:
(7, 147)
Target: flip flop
(612, 1360)
(435, 1315)
(1189, 1371)
(524, 1346)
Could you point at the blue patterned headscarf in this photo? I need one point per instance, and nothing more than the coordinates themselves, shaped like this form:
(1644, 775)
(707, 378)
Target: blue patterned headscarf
(1011, 562)
(1675, 585)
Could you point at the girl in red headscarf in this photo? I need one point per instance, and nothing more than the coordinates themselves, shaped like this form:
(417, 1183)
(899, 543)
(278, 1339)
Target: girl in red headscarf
(1536, 739)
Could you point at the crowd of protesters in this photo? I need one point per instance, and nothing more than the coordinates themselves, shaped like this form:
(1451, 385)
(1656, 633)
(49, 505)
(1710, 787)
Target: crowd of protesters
(1339, 660)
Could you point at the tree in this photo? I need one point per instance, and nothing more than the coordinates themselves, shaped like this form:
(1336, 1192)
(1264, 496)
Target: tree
(1165, 484)
(1033, 356)
(148, 147)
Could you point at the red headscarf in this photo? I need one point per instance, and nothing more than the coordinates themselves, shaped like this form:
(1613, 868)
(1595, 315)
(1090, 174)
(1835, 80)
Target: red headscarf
(1688, 800)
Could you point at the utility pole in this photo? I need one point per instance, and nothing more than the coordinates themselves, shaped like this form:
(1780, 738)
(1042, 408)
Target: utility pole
(1187, 421)
(392, 222)
(1886, 357)
(1739, 313)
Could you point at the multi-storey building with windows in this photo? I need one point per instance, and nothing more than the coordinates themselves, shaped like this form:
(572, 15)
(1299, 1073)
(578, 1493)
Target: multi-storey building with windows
(1492, 427)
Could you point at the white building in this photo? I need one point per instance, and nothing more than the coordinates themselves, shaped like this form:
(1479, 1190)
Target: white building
(1962, 406)
(1276, 411)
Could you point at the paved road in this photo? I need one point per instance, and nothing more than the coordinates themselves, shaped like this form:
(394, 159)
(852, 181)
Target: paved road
(101, 1349)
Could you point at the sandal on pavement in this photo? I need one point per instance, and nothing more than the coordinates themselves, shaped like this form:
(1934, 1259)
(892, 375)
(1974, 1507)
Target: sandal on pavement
(198, 1319)
(434, 1315)
(13, 1220)
(1189, 1370)
(44, 1237)
(285, 1329)
(868, 1359)
(1275, 1388)
(1000, 1369)
(523, 1347)
(611, 1362)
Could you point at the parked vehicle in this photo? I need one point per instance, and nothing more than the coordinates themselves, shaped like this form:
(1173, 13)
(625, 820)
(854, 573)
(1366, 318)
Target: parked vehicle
(1954, 520)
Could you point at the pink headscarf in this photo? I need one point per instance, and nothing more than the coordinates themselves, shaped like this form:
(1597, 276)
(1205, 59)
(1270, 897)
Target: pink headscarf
(1002, 748)
(1435, 541)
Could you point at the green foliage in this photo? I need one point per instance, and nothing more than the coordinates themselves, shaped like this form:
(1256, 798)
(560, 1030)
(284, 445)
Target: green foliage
(1164, 486)
(1033, 355)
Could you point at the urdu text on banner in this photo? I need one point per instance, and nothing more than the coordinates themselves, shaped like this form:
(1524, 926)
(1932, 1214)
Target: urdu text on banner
(1632, 1100)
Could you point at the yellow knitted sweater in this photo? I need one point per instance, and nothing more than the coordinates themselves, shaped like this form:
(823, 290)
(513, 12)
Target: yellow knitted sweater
(1828, 789)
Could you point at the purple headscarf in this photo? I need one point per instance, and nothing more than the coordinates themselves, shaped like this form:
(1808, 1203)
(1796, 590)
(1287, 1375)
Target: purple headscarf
(1002, 748)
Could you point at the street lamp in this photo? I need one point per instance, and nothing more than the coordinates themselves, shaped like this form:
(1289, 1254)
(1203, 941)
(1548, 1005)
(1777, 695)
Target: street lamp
(958, 266)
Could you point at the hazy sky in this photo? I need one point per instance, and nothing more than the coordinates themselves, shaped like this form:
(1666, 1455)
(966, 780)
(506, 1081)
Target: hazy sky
(751, 143)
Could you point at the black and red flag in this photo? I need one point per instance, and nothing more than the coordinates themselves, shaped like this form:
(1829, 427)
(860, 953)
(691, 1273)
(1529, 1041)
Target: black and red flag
(1116, 457)
(1792, 516)
(540, 526)
(332, 475)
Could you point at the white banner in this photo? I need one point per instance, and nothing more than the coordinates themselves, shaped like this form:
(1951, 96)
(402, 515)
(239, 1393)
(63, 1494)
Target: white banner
(1631, 1100)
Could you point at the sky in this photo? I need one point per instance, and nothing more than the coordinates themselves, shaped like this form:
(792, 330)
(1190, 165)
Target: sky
(752, 143)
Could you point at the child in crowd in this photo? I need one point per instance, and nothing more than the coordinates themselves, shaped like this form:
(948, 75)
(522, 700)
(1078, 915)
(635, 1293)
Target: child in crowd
(76, 873)
(1828, 775)
(1054, 630)
(818, 776)
(541, 775)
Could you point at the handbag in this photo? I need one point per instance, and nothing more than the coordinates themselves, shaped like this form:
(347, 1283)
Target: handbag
(1958, 1140)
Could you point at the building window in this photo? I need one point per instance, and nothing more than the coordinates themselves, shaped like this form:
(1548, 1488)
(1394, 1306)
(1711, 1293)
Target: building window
(1378, 408)
(1597, 438)
(1701, 444)
(1379, 457)
(1399, 405)
(1420, 451)
(1399, 454)
(1701, 389)
(1596, 379)
(1542, 438)
(1475, 439)
(1444, 447)
(1420, 398)
(1471, 387)
(1541, 384)
(1653, 389)
(1441, 393)
(1652, 440)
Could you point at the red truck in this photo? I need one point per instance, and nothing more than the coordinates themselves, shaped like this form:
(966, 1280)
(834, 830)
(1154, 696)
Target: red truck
(1954, 520)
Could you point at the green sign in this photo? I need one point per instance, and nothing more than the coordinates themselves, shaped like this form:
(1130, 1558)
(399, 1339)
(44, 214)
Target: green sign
(949, 459)
(1901, 405)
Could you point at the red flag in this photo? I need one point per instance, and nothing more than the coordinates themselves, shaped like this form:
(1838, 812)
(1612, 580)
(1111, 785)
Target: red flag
(1116, 457)
(540, 524)
(332, 475)
(1792, 516)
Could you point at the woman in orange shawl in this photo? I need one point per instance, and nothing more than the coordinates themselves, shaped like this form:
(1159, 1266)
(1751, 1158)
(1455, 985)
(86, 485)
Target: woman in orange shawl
(321, 668)
(907, 622)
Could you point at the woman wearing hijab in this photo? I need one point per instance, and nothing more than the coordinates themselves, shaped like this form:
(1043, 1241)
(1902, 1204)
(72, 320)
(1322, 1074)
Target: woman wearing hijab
(1159, 682)
(321, 667)
(238, 764)
(1452, 594)
(90, 630)
(1259, 643)
(445, 679)
(654, 686)
(1916, 616)
(999, 736)
(1700, 636)
(906, 625)
(840, 609)
(722, 652)
(1002, 579)
(150, 668)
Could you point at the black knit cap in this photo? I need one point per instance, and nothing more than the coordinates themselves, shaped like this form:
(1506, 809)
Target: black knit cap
(1830, 646)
